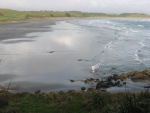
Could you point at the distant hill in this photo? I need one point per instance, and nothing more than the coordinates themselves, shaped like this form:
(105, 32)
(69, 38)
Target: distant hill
(133, 15)
(8, 15)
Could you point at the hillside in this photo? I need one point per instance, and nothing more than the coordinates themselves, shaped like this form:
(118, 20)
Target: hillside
(7, 15)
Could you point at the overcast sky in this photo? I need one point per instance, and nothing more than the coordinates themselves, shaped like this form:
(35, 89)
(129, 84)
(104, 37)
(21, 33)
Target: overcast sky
(105, 6)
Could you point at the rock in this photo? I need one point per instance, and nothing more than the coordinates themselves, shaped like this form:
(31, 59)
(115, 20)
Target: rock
(96, 80)
(51, 51)
(72, 81)
(146, 72)
(87, 81)
(124, 83)
(83, 88)
(115, 77)
(102, 84)
(118, 83)
(103, 90)
(91, 79)
(110, 83)
(79, 59)
(113, 68)
(91, 89)
(37, 92)
(147, 87)
(110, 78)
(126, 75)
(3, 103)
(136, 75)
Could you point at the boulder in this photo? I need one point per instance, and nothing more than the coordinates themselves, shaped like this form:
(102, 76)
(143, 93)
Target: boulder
(136, 75)
(83, 88)
(102, 84)
(146, 72)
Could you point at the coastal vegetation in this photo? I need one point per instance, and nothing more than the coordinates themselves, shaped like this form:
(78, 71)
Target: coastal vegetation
(75, 102)
(8, 15)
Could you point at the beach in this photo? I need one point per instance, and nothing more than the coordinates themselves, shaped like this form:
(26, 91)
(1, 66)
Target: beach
(47, 54)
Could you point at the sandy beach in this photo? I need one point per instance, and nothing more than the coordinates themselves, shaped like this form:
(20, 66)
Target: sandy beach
(47, 54)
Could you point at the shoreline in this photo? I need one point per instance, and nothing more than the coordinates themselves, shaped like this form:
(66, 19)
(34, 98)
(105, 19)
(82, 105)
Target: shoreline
(68, 18)
(106, 84)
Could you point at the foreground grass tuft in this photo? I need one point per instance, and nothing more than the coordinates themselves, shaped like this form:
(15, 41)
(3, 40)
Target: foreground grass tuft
(76, 102)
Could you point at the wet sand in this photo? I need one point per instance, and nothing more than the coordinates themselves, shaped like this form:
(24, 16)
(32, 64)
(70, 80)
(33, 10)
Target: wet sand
(27, 57)
(19, 29)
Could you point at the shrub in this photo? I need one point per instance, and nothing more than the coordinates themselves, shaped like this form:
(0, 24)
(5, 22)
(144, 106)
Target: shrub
(51, 15)
(97, 102)
(1, 14)
(67, 15)
(134, 104)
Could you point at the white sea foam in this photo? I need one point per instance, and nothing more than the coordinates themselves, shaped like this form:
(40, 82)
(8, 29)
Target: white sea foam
(96, 66)
(108, 22)
(137, 57)
(141, 43)
(133, 30)
(126, 34)
(108, 45)
(140, 25)
(148, 33)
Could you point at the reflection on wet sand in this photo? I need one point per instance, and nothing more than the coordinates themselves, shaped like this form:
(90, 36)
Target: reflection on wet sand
(30, 58)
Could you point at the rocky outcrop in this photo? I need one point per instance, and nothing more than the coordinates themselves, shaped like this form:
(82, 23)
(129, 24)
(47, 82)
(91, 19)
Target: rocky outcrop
(137, 75)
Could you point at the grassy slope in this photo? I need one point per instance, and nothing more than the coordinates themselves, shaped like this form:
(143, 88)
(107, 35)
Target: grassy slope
(76, 102)
(7, 15)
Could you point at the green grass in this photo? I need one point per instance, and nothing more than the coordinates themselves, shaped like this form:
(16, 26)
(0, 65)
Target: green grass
(7, 15)
(76, 102)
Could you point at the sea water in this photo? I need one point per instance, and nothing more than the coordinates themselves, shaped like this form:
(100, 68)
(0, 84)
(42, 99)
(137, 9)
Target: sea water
(124, 44)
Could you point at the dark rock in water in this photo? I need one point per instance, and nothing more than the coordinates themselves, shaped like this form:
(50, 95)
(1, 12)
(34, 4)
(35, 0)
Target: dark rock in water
(115, 77)
(51, 51)
(37, 91)
(105, 85)
(3, 103)
(118, 83)
(113, 68)
(83, 88)
(110, 83)
(96, 80)
(72, 81)
(147, 87)
(87, 81)
(79, 59)
(92, 79)
(110, 78)
(102, 84)
(124, 83)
